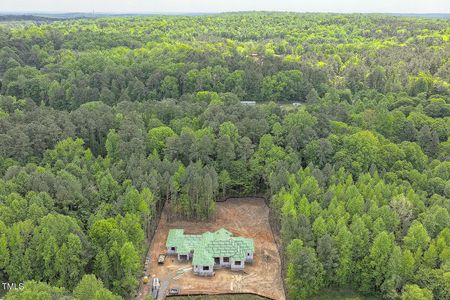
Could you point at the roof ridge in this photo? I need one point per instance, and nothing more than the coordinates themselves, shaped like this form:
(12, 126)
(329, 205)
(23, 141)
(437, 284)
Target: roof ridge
(220, 243)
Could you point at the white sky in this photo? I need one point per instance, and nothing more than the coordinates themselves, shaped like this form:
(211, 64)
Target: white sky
(147, 6)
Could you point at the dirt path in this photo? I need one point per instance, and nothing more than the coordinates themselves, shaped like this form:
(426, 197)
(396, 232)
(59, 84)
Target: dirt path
(247, 217)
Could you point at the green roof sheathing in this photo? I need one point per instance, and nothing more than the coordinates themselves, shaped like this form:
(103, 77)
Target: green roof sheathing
(202, 258)
(175, 236)
(208, 245)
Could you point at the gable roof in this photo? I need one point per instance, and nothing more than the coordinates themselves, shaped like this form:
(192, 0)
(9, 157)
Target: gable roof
(222, 233)
(175, 237)
(202, 257)
(208, 245)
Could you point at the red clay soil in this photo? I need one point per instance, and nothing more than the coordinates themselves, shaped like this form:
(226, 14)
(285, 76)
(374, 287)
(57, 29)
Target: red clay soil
(246, 217)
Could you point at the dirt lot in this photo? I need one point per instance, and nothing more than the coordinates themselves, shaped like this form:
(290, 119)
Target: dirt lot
(247, 217)
(219, 297)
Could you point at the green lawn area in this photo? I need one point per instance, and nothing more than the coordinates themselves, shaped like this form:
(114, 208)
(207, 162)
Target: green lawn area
(342, 294)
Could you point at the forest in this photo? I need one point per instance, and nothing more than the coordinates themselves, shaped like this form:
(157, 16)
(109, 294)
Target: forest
(105, 121)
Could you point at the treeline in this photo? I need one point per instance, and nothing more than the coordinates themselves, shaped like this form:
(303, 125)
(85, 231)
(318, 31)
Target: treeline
(68, 216)
(103, 122)
(260, 57)
(376, 235)
(199, 154)
(38, 19)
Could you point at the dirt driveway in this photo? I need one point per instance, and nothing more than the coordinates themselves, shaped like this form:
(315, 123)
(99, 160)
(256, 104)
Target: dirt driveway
(246, 217)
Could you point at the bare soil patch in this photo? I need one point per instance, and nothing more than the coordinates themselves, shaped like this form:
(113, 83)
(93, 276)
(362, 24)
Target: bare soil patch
(247, 217)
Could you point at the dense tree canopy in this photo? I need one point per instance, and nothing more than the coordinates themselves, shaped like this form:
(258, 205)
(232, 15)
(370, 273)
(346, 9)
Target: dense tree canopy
(104, 121)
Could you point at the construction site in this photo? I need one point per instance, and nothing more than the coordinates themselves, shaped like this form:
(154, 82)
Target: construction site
(243, 217)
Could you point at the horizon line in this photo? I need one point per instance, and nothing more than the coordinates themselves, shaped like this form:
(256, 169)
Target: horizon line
(211, 12)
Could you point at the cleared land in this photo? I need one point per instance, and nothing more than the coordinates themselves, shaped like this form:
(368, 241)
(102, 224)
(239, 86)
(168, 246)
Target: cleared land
(218, 297)
(247, 217)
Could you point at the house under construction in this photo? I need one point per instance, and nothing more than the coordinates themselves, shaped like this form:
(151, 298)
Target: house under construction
(210, 250)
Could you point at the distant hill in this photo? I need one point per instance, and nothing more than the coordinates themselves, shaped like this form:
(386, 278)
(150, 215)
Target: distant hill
(10, 18)
(31, 16)
(434, 16)
(49, 17)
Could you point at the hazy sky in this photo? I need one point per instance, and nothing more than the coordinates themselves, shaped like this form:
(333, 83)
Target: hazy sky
(123, 6)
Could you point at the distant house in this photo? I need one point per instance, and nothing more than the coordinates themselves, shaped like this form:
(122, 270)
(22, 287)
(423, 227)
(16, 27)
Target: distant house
(251, 103)
(210, 250)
